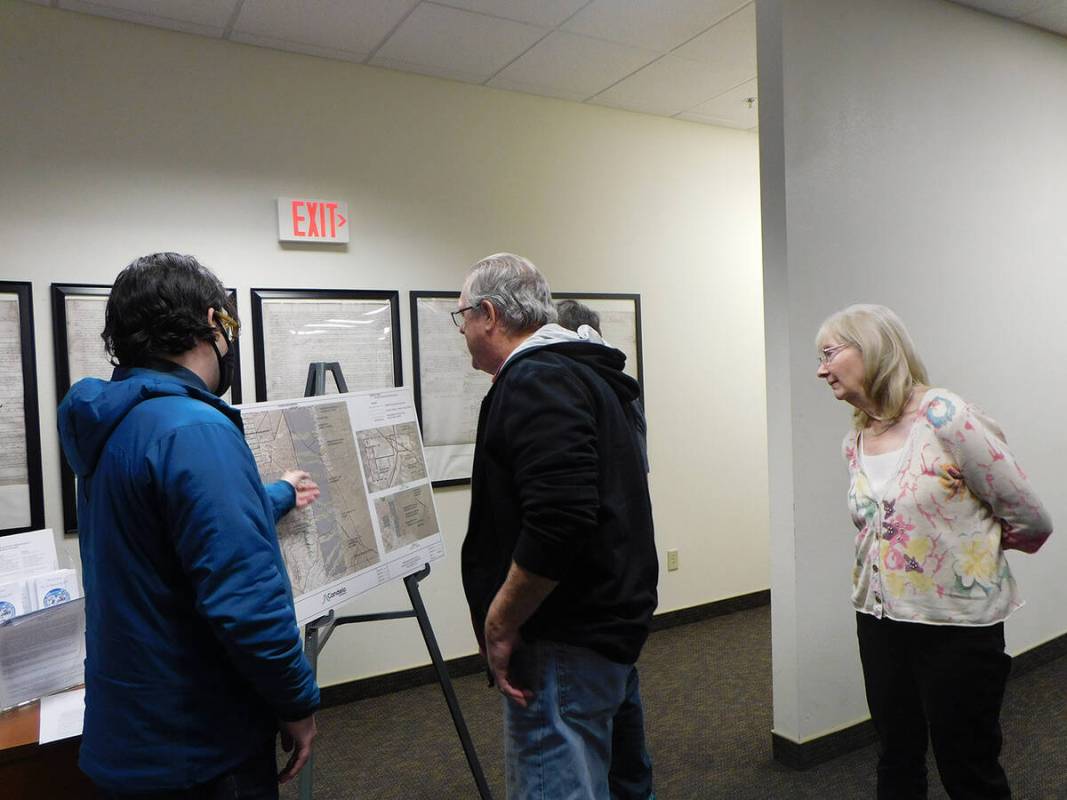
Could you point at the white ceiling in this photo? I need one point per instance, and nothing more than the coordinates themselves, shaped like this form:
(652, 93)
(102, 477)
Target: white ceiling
(694, 59)
(691, 59)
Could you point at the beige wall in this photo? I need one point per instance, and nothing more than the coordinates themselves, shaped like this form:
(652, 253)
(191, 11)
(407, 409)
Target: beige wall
(117, 140)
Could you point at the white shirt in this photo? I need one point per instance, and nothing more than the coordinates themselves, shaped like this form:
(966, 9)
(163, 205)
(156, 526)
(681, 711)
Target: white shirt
(880, 469)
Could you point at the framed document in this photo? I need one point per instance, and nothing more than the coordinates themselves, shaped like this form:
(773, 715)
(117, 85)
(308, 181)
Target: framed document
(360, 330)
(448, 390)
(21, 484)
(77, 322)
(620, 324)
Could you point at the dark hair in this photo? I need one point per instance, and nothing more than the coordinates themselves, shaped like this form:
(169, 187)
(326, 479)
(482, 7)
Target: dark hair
(158, 306)
(572, 314)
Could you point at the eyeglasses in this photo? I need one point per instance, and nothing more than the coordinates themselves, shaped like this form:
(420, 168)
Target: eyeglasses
(828, 353)
(231, 326)
(457, 315)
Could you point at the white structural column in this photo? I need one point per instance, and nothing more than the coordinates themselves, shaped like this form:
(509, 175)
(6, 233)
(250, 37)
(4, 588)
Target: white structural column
(911, 155)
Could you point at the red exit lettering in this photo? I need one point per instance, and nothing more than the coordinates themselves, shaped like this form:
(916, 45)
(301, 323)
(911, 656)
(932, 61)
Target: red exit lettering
(314, 219)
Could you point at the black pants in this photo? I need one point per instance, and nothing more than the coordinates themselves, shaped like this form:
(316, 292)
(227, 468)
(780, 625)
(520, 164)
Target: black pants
(255, 779)
(942, 681)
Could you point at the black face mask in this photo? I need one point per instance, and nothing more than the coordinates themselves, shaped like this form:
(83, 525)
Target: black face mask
(225, 364)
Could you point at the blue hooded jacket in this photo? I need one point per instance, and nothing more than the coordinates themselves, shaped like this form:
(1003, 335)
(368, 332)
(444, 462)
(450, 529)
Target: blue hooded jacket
(192, 647)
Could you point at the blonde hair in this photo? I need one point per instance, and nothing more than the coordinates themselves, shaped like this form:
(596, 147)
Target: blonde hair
(892, 367)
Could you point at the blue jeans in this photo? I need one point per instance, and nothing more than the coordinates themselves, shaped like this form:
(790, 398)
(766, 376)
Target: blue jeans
(582, 736)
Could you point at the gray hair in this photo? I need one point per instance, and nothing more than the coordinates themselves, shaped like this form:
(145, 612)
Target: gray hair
(517, 290)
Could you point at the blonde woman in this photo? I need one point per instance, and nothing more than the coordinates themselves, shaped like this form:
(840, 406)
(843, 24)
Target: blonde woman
(937, 498)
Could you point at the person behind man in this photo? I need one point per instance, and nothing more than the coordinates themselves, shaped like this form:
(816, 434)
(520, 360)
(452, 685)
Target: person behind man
(573, 315)
(193, 655)
(559, 562)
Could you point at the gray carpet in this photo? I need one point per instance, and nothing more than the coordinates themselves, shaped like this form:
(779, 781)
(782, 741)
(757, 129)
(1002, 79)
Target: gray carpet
(707, 693)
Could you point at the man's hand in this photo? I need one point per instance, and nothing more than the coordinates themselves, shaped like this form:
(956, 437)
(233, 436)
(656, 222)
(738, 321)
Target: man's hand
(500, 644)
(307, 491)
(515, 602)
(296, 738)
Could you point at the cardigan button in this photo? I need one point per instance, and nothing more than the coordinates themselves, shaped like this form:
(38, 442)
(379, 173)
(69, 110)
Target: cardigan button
(874, 567)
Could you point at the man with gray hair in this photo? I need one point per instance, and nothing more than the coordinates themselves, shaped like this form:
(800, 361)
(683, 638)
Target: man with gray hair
(559, 562)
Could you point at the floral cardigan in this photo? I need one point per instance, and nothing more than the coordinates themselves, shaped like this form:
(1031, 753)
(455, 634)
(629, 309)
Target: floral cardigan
(931, 549)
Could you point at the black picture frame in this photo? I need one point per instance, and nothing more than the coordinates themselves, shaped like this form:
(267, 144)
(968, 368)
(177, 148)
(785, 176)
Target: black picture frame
(23, 290)
(636, 299)
(259, 295)
(414, 297)
(60, 293)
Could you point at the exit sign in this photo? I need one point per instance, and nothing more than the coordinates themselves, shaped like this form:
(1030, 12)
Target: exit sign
(312, 220)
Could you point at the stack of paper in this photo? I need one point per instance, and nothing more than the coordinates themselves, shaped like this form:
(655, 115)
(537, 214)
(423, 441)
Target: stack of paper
(42, 652)
(42, 620)
(30, 578)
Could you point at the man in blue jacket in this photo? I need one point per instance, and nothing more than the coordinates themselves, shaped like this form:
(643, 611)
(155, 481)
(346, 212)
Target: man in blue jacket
(193, 656)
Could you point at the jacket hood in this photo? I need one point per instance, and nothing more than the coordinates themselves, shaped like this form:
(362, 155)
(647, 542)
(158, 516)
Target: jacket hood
(584, 345)
(93, 408)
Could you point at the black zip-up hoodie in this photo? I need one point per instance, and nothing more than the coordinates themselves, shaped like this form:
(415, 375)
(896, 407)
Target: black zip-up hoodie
(559, 486)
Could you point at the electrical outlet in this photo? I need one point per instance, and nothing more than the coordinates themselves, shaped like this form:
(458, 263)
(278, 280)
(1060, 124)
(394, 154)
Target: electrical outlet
(672, 560)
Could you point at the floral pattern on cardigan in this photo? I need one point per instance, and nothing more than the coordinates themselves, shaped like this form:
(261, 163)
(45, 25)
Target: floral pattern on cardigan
(931, 549)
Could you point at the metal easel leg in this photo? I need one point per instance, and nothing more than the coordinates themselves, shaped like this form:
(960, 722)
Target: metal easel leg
(312, 644)
(412, 584)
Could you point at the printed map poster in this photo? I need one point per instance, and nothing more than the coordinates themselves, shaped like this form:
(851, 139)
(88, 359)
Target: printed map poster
(14, 461)
(448, 390)
(375, 520)
(21, 485)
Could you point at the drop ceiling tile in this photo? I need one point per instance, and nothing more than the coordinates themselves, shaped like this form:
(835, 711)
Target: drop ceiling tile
(1005, 8)
(673, 85)
(453, 43)
(660, 25)
(546, 13)
(730, 43)
(732, 105)
(350, 27)
(572, 66)
(1052, 18)
(299, 47)
(189, 16)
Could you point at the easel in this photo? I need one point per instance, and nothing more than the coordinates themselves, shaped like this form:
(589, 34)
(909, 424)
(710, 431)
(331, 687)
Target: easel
(318, 631)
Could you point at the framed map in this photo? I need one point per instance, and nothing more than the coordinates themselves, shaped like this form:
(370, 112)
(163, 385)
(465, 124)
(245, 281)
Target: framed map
(21, 485)
(448, 390)
(77, 322)
(292, 328)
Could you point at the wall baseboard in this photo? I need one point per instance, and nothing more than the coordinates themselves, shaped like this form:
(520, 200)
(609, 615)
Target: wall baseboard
(687, 616)
(803, 755)
(364, 688)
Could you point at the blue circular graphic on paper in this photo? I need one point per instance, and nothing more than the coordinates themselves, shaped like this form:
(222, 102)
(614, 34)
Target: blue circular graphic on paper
(7, 611)
(56, 596)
